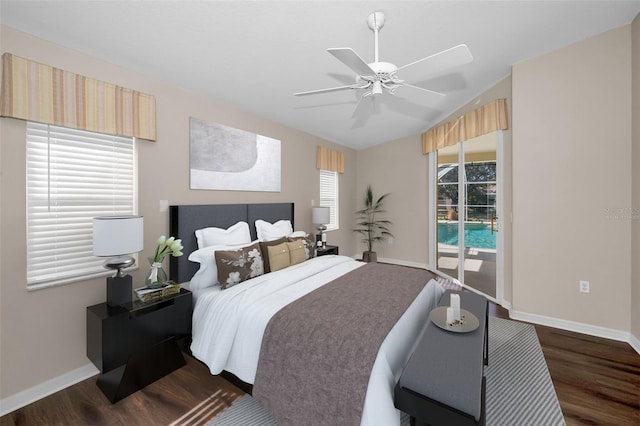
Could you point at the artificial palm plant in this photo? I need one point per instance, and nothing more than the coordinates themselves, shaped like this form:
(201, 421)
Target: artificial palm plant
(369, 226)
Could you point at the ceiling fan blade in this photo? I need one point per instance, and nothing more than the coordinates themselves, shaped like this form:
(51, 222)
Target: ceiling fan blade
(433, 92)
(416, 111)
(331, 89)
(364, 110)
(453, 57)
(350, 58)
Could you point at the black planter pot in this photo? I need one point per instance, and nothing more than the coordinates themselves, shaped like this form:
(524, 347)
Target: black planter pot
(370, 256)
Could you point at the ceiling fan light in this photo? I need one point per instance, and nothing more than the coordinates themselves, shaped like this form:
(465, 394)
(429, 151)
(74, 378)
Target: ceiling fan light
(376, 89)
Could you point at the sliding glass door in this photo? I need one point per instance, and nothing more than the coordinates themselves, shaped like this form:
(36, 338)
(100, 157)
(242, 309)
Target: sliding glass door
(467, 213)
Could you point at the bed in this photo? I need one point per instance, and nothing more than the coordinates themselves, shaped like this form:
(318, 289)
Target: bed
(232, 328)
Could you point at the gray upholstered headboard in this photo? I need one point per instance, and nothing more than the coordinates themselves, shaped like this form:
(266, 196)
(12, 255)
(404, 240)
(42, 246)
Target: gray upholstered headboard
(185, 220)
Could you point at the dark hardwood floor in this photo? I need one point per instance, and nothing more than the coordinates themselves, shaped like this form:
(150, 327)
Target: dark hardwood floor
(161, 403)
(597, 382)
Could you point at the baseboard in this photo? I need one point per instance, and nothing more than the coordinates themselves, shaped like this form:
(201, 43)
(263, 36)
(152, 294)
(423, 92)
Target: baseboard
(505, 304)
(578, 327)
(635, 343)
(27, 396)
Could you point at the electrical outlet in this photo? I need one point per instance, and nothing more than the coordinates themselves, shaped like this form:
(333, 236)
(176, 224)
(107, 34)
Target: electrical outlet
(584, 286)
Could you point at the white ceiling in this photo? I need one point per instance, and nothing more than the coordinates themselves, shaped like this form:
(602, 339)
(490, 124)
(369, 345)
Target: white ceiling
(255, 55)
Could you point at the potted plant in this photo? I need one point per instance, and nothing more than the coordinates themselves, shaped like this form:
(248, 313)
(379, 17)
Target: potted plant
(369, 226)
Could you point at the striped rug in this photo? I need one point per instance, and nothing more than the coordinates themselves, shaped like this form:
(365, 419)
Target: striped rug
(519, 388)
(207, 410)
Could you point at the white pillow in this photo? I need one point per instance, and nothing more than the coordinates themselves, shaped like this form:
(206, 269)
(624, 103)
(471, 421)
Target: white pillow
(236, 234)
(297, 234)
(207, 275)
(268, 232)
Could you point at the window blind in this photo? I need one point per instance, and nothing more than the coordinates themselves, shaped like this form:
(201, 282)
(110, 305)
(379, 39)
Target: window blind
(73, 176)
(329, 196)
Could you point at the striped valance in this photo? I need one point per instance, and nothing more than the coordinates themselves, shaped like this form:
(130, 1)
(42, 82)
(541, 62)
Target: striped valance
(328, 159)
(37, 92)
(481, 121)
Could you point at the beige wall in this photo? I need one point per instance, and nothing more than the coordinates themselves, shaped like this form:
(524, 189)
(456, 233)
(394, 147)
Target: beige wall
(571, 176)
(400, 169)
(635, 251)
(42, 333)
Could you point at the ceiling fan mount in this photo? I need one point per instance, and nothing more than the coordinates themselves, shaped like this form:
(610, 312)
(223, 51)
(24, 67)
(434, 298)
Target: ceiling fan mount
(376, 20)
(375, 76)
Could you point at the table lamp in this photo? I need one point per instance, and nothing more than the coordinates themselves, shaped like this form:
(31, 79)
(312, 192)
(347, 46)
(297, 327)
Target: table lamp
(320, 217)
(117, 237)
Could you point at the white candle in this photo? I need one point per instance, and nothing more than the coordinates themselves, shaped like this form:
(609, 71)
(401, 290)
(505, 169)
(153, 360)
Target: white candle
(450, 315)
(324, 237)
(455, 304)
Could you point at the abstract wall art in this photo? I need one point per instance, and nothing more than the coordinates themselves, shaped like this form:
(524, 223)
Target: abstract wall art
(224, 158)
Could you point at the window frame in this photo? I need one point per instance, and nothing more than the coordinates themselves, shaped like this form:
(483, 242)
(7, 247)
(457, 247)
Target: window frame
(330, 197)
(64, 198)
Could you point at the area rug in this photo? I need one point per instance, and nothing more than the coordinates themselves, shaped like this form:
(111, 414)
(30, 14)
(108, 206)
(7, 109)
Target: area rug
(519, 388)
(208, 409)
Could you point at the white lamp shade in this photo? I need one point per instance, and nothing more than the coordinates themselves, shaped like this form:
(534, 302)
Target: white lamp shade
(117, 235)
(320, 215)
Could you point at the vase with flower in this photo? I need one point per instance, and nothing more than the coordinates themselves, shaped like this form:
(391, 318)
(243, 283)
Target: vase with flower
(157, 276)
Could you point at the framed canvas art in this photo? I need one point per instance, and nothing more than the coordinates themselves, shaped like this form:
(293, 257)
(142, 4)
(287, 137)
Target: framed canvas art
(224, 158)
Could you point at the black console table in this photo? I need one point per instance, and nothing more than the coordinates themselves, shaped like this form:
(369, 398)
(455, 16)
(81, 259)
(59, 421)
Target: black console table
(135, 344)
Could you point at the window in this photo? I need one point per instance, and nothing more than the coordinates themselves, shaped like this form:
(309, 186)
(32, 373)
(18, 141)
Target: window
(329, 196)
(73, 176)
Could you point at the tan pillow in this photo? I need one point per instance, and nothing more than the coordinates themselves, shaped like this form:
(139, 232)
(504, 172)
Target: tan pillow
(297, 252)
(278, 256)
(265, 253)
(309, 243)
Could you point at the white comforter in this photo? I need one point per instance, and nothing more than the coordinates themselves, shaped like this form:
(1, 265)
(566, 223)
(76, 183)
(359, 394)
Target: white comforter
(228, 327)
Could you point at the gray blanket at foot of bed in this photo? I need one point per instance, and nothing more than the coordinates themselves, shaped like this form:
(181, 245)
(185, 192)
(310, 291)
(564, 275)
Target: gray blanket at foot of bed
(317, 353)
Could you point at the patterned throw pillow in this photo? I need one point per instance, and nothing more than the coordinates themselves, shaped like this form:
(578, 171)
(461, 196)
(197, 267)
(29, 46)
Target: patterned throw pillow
(278, 256)
(309, 245)
(235, 266)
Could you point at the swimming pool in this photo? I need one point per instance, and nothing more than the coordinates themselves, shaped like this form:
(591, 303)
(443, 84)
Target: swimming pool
(476, 235)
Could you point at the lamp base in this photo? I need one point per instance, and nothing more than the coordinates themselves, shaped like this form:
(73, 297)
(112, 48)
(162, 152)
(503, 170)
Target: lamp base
(119, 290)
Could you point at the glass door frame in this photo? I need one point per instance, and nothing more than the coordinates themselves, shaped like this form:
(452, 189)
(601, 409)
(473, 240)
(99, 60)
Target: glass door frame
(433, 211)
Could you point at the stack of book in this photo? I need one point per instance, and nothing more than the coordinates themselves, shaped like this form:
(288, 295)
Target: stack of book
(146, 294)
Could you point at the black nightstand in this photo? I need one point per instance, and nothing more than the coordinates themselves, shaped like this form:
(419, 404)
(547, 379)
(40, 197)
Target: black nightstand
(321, 251)
(136, 344)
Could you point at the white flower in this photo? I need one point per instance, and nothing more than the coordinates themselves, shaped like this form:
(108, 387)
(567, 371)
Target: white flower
(233, 278)
(257, 267)
(167, 246)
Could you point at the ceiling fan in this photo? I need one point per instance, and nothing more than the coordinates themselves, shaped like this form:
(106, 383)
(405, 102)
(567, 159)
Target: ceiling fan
(377, 77)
